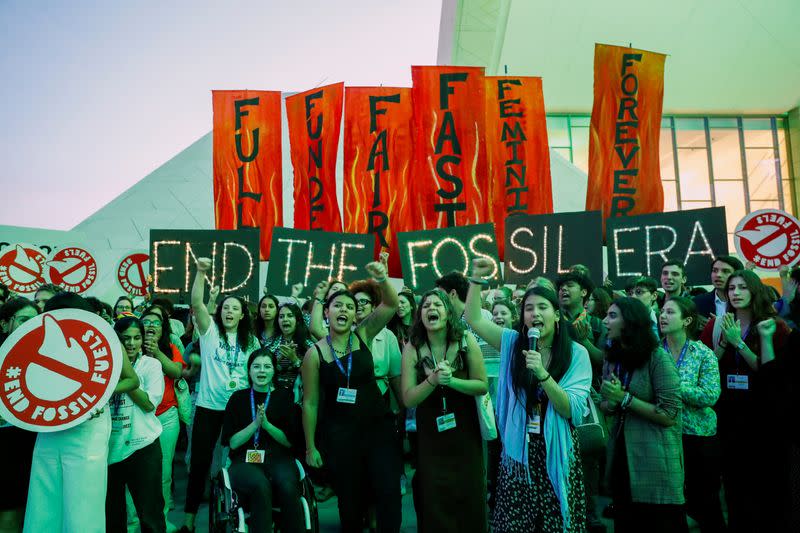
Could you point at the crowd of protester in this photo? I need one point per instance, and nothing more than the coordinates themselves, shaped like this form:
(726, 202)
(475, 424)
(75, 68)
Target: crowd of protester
(691, 390)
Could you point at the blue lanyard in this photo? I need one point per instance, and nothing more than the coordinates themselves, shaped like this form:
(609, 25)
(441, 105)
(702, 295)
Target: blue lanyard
(626, 379)
(349, 357)
(253, 411)
(682, 355)
(232, 362)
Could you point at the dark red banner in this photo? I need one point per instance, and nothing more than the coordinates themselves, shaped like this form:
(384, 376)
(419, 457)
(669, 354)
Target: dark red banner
(518, 155)
(315, 118)
(378, 150)
(247, 162)
(449, 184)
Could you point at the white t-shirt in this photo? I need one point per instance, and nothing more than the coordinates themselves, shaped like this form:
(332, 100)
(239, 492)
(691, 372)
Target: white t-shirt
(224, 368)
(131, 427)
(387, 358)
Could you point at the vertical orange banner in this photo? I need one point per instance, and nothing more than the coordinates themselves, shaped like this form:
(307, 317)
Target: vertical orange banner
(518, 155)
(624, 167)
(449, 184)
(378, 151)
(247, 162)
(315, 118)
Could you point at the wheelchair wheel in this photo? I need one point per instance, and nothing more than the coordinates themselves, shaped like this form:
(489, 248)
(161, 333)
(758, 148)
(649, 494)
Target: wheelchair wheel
(310, 501)
(222, 510)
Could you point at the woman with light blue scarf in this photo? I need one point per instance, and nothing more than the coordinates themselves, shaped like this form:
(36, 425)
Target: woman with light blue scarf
(540, 394)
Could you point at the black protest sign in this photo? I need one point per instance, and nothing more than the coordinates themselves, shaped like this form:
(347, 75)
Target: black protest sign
(308, 257)
(547, 245)
(233, 254)
(639, 245)
(425, 256)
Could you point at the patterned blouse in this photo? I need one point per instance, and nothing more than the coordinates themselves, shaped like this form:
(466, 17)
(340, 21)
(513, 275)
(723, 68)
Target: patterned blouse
(700, 390)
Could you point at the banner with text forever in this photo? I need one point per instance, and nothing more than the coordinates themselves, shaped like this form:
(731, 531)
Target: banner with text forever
(378, 150)
(624, 168)
(450, 181)
(247, 162)
(315, 118)
(518, 156)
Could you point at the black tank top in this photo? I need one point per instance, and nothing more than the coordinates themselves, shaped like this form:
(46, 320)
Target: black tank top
(369, 402)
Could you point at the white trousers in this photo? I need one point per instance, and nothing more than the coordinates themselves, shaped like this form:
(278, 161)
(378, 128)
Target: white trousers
(170, 428)
(69, 477)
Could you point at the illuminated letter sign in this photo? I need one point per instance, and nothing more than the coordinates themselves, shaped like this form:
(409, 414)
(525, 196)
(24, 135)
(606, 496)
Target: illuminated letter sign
(547, 245)
(639, 245)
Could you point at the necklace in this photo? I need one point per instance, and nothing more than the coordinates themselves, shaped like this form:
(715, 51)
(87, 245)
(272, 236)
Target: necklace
(341, 352)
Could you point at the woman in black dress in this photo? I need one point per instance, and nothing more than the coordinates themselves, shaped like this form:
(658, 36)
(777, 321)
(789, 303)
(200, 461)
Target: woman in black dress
(357, 429)
(443, 372)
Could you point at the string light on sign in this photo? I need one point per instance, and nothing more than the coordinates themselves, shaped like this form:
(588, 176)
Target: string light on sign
(476, 253)
(663, 253)
(157, 268)
(250, 262)
(342, 253)
(311, 266)
(560, 270)
(698, 228)
(435, 254)
(291, 243)
(190, 253)
(515, 244)
(619, 251)
(411, 245)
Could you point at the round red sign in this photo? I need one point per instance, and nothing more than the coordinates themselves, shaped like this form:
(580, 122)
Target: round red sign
(770, 238)
(73, 268)
(22, 268)
(57, 368)
(131, 273)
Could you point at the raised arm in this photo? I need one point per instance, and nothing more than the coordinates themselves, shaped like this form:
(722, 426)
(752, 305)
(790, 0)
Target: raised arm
(317, 325)
(201, 316)
(484, 328)
(382, 314)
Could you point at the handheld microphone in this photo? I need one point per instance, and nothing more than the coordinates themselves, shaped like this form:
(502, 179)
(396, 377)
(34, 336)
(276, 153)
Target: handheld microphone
(533, 340)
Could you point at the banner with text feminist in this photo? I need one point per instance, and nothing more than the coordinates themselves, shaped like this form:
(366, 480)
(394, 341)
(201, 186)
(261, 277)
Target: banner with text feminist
(377, 153)
(247, 162)
(518, 155)
(449, 186)
(315, 118)
(624, 168)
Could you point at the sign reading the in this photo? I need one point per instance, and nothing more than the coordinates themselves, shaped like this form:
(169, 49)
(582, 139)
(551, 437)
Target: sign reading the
(426, 256)
(233, 254)
(547, 245)
(770, 238)
(57, 368)
(639, 245)
(132, 273)
(308, 257)
(72, 268)
(22, 268)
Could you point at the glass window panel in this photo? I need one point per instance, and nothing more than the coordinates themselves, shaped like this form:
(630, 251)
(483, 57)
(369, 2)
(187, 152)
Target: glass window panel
(730, 195)
(756, 124)
(694, 205)
(580, 148)
(666, 155)
(755, 205)
(757, 132)
(726, 154)
(697, 124)
(690, 138)
(557, 132)
(666, 122)
(788, 206)
(670, 196)
(580, 120)
(693, 169)
(563, 152)
(731, 244)
(761, 178)
(784, 157)
(722, 123)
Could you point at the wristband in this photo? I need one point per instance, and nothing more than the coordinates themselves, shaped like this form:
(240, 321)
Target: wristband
(478, 281)
(430, 382)
(320, 300)
(741, 346)
(379, 280)
(626, 401)
(545, 379)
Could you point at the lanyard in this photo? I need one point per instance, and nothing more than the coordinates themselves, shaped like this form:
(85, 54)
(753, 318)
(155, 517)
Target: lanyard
(626, 379)
(349, 357)
(253, 411)
(679, 362)
(436, 364)
(232, 362)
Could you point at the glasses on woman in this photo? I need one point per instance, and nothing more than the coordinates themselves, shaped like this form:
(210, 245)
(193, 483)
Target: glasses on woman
(148, 323)
(364, 301)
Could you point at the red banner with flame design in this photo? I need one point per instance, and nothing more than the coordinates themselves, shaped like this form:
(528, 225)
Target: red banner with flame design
(247, 162)
(378, 150)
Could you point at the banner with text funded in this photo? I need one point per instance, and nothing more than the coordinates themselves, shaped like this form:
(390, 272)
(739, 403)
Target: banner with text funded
(518, 157)
(247, 162)
(624, 168)
(378, 150)
(450, 184)
(315, 118)
(430, 254)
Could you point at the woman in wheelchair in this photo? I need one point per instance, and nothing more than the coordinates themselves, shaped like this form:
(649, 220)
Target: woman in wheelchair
(263, 471)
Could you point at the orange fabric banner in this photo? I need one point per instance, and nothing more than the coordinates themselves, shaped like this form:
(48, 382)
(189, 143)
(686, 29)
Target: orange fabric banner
(315, 119)
(449, 186)
(518, 155)
(624, 167)
(247, 162)
(378, 150)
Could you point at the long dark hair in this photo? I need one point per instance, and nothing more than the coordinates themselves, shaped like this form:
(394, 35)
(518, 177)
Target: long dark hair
(418, 335)
(164, 342)
(688, 310)
(760, 303)
(244, 331)
(259, 322)
(560, 353)
(396, 325)
(637, 340)
(300, 336)
(602, 301)
(128, 322)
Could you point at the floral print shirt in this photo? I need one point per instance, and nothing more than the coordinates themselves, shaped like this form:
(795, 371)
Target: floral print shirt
(700, 390)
